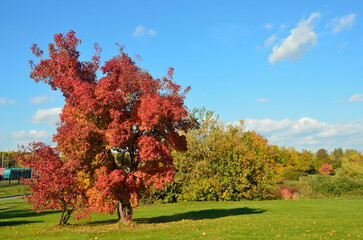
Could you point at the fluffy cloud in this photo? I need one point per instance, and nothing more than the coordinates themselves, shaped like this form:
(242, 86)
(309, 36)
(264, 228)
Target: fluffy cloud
(5, 101)
(344, 23)
(23, 138)
(308, 133)
(40, 99)
(356, 98)
(301, 40)
(47, 116)
(270, 41)
(141, 31)
(262, 100)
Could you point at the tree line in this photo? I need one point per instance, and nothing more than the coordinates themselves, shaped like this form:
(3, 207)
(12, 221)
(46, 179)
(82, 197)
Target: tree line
(225, 162)
(7, 159)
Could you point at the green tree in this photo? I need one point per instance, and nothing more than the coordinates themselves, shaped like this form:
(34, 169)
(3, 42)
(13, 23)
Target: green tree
(287, 157)
(306, 161)
(351, 164)
(223, 162)
(336, 157)
(321, 157)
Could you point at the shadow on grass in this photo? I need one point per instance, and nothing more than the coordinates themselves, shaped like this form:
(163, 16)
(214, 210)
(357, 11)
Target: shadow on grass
(3, 204)
(95, 223)
(202, 214)
(14, 223)
(22, 213)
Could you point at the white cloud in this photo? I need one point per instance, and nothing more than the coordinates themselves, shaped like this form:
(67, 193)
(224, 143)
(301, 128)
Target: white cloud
(270, 41)
(41, 99)
(308, 133)
(5, 101)
(356, 98)
(141, 31)
(47, 116)
(23, 138)
(38, 100)
(301, 40)
(268, 26)
(152, 32)
(328, 133)
(344, 23)
(262, 100)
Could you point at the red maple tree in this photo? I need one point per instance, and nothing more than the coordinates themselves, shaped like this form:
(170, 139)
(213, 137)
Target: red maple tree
(326, 169)
(118, 131)
(54, 185)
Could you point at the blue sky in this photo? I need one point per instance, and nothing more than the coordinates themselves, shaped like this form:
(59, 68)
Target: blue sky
(291, 69)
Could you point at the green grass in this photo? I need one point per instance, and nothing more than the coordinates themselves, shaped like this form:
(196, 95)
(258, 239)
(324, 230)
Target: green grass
(296, 182)
(13, 190)
(290, 219)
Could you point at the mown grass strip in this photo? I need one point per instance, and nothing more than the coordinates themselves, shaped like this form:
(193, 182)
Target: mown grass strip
(290, 219)
(12, 190)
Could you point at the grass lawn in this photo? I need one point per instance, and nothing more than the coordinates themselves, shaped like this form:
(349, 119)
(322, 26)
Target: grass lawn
(12, 190)
(296, 182)
(290, 219)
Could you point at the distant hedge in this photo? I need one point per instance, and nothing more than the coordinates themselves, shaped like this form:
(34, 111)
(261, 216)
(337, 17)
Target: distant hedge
(331, 186)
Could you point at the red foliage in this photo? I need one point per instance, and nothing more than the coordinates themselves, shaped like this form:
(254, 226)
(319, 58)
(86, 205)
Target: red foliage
(286, 194)
(117, 131)
(326, 169)
(54, 185)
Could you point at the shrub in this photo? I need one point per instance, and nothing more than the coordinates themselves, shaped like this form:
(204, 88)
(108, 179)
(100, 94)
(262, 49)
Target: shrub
(286, 194)
(291, 191)
(331, 186)
(169, 194)
(223, 162)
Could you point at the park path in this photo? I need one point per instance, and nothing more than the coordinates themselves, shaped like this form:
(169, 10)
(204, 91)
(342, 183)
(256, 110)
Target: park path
(11, 197)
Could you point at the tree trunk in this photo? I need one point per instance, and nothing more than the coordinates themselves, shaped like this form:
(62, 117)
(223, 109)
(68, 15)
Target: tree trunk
(66, 214)
(124, 212)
